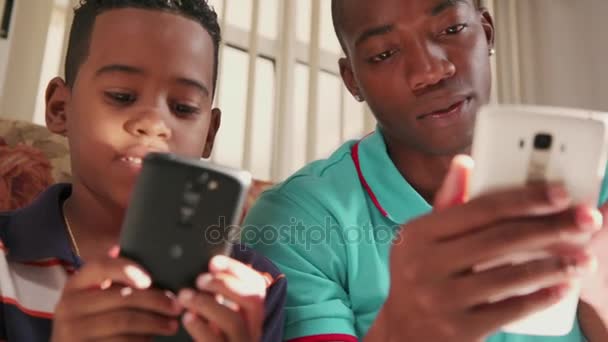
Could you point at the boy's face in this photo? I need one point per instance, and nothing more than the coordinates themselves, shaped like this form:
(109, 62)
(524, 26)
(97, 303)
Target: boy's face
(422, 67)
(146, 85)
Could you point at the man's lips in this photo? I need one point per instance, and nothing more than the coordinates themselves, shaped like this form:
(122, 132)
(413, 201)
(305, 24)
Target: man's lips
(439, 113)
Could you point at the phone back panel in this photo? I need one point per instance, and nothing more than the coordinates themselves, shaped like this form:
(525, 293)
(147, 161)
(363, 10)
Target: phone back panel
(506, 155)
(181, 214)
(577, 156)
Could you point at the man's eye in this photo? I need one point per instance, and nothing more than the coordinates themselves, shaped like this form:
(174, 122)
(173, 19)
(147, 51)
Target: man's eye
(455, 29)
(121, 98)
(382, 56)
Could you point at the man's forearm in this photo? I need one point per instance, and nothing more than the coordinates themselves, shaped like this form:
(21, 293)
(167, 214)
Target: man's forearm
(378, 332)
(593, 320)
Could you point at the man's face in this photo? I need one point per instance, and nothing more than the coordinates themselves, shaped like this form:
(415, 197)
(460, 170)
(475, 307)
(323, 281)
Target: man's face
(422, 67)
(145, 86)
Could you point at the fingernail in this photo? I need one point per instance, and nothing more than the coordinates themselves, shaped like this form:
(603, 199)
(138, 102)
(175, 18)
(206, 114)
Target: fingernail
(593, 265)
(589, 219)
(220, 262)
(106, 284)
(185, 296)
(188, 317)
(139, 277)
(204, 280)
(126, 291)
(577, 265)
(558, 195)
(114, 252)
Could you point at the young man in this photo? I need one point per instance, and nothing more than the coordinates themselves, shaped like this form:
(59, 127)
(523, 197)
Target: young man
(373, 246)
(140, 77)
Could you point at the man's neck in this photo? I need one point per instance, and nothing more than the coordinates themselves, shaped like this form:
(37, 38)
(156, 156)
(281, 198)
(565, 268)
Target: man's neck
(95, 223)
(425, 172)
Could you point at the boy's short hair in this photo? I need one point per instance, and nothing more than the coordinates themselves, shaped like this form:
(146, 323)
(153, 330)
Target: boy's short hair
(88, 10)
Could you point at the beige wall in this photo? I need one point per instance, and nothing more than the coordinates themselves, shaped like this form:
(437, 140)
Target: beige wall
(552, 52)
(36, 49)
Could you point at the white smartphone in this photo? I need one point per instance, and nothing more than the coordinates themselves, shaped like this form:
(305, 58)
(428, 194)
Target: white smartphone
(514, 145)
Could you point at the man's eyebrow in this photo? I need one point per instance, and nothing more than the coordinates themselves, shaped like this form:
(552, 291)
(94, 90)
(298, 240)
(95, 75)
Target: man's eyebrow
(373, 32)
(444, 5)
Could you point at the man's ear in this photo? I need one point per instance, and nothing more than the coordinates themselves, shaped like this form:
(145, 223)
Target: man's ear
(487, 22)
(57, 96)
(348, 77)
(214, 127)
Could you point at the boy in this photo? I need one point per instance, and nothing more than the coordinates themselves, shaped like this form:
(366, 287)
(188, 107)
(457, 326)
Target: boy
(140, 77)
(389, 250)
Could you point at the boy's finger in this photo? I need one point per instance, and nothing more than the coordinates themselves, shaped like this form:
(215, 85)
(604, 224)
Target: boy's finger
(231, 323)
(107, 271)
(199, 330)
(250, 301)
(248, 275)
(125, 322)
(84, 303)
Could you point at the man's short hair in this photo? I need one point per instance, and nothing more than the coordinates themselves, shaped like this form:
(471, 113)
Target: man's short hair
(88, 10)
(337, 13)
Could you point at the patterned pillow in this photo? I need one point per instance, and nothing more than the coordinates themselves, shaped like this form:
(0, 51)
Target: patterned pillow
(31, 159)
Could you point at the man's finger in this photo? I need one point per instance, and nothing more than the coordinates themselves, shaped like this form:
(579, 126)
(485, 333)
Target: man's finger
(532, 200)
(454, 190)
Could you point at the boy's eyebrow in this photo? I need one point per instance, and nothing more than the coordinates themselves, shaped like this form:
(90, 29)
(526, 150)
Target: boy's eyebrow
(193, 83)
(138, 71)
(444, 5)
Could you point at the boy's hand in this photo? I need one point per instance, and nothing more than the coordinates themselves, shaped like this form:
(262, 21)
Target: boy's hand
(240, 318)
(110, 299)
(435, 295)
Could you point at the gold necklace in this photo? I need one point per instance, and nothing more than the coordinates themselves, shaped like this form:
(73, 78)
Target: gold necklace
(67, 224)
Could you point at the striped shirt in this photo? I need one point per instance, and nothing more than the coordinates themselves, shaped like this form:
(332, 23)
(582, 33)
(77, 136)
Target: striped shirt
(38, 260)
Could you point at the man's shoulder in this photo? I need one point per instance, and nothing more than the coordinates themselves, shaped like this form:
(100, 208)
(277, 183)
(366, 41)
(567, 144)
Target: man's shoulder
(325, 180)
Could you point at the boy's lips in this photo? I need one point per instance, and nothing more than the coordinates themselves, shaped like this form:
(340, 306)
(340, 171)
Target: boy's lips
(133, 156)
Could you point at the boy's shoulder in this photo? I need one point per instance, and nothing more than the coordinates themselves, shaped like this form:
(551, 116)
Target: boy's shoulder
(36, 231)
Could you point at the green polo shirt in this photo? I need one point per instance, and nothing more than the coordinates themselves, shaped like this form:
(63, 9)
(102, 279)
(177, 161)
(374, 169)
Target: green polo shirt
(330, 228)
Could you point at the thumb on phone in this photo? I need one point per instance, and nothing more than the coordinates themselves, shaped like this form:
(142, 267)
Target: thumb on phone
(455, 188)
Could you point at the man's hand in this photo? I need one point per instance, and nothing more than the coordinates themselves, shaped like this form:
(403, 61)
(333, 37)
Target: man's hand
(435, 295)
(593, 312)
(110, 299)
(228, 305)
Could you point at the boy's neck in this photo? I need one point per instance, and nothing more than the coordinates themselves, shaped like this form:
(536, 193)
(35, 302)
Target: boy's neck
(94, 223)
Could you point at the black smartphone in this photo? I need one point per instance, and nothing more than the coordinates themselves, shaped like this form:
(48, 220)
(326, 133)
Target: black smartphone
(182, 213)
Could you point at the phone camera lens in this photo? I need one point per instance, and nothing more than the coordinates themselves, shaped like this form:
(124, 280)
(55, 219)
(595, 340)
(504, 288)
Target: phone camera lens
(543, 141)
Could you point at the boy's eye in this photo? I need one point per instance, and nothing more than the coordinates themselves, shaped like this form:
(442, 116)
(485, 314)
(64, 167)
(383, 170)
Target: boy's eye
(455, 29)
(382, 56)
(121, 98)
(184, 110)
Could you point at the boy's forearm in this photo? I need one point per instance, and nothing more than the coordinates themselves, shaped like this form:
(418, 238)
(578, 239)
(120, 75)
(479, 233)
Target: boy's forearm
(593, 320)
